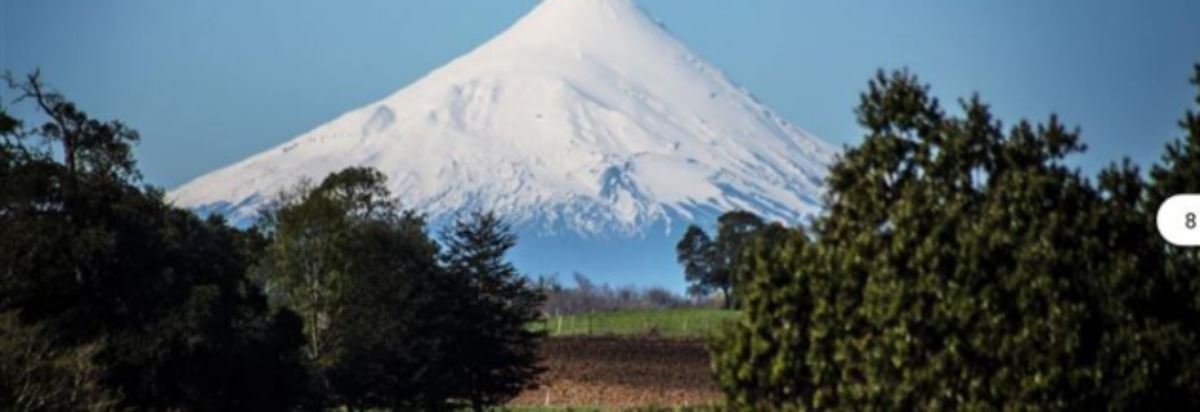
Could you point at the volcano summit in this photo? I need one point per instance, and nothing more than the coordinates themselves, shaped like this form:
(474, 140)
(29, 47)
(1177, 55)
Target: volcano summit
(585, 120)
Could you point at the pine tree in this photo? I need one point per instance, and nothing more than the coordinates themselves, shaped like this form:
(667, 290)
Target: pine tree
(497, 353)
(961, 266)
(1177, 302)
(757, 354)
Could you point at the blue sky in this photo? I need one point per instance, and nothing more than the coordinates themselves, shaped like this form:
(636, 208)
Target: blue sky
(208, 83)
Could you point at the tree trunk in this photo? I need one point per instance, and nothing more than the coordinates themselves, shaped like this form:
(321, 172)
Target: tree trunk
(69, 152)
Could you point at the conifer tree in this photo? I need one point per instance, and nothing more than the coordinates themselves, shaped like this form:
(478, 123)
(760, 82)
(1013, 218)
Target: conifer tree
(496, 351)
(962, 266)
(1178, 302)
(757, 353)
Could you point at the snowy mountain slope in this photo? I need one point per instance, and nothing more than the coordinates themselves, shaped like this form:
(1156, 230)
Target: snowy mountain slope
(584, 117)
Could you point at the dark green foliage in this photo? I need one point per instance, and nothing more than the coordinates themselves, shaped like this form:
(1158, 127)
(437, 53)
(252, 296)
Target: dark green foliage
(695, 252)
(391, 332)
(496, 351)
(1177, 301)
(761, 353)
(37, 376)
(390, 324)
(1178, 173)
(963, 267)
(1181, 161)
(708, 263)
(155, 299)
(364, 278)
(305, 260)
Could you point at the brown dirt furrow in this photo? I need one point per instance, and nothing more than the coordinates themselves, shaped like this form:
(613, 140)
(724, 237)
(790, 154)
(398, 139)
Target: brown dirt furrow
(623, 371)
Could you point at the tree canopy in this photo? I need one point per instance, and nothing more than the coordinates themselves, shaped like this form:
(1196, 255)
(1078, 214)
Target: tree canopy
(962, 265)
(497, 356)
(148, 303)
(708, 263)
(392, 320)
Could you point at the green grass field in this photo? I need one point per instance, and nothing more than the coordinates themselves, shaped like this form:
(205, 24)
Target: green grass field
(552, 409)
(600, 409)
(675, 323)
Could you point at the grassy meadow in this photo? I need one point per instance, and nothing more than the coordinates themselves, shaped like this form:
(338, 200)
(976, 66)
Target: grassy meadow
(669, 323)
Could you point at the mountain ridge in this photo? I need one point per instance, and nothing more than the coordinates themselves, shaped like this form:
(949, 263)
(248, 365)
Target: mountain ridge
(584, 117)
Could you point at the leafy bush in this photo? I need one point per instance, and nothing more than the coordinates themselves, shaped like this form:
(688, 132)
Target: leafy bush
(959, 266)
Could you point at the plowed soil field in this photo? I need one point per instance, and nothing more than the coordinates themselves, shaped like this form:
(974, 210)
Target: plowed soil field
(623, 371)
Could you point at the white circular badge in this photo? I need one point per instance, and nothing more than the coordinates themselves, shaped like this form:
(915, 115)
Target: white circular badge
(1179, 220)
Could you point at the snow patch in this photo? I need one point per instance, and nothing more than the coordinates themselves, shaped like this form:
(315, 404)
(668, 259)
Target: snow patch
(585, 117)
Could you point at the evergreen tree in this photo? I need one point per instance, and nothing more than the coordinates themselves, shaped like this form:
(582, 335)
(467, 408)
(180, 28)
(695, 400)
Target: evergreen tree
(1178, 173)
(497, 353)
(1177, 301)
(959, 266)
(761, 353)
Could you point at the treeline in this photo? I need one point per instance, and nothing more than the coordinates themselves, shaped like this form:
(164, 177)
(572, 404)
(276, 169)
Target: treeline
(112, 299)
(962, 265)
(587, 297)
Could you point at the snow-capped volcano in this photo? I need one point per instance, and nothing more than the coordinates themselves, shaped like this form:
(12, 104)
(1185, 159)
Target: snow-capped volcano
(585, 116)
